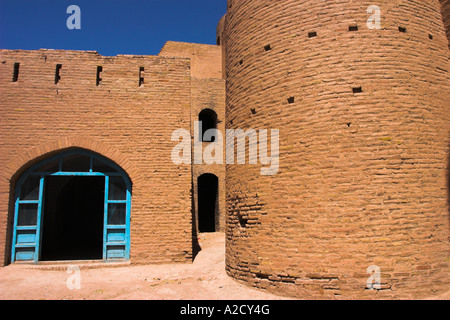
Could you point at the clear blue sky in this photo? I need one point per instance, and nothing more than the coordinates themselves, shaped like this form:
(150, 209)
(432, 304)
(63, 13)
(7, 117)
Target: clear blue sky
(111, 27)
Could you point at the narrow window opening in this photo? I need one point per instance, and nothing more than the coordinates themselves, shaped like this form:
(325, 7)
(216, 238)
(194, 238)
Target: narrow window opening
(267, 47)
(402, 29)
(430, 36)
(218, 41)
(99, 74)
(208, 119)
(57, 73)
(141, 76)
(349, 124)
(291, 100)
(16, 72)
(312, 34)
(357, 90)
(241, 62)
(353, 28)
(253, 111)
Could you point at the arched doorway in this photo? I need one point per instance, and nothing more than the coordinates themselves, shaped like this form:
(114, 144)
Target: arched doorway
(208, 213)
(72, 206)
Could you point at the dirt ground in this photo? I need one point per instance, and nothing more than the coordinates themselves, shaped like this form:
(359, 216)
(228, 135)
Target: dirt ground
(205, 279)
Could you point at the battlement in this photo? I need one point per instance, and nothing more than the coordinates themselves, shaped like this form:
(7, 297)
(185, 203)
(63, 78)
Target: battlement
(74, 69)
(71, 68)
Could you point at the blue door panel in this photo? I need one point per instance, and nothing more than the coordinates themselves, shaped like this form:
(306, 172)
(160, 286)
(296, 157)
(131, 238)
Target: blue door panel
(26, 237)
(25, 254)
(116, 235)
(115, 252)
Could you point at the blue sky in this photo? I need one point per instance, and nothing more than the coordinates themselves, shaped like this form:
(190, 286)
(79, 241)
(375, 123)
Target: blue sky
(111, 27)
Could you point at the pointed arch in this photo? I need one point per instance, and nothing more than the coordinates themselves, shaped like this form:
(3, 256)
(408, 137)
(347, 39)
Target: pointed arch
(21, 162)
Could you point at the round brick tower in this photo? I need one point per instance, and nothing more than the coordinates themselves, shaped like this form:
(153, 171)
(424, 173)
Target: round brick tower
(446, 16)
(364, 117)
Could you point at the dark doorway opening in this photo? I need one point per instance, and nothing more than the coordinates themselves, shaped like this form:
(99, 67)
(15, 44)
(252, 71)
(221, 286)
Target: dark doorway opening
(208, 119)
(208, 217)
(73, 218)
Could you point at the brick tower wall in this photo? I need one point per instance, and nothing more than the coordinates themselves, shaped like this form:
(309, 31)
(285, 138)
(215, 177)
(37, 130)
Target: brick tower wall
(364, 120)
(446, 16)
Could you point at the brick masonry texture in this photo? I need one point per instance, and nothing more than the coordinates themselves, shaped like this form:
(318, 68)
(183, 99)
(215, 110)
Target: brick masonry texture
(125, 122)
(364, 147)
(364, 120)
(207, 92)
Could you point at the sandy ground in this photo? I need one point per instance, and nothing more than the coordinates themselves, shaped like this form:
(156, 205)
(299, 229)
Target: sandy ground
(205, 279)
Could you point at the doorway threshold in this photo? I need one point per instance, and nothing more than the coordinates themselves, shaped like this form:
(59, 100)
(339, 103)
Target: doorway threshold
(64, 264)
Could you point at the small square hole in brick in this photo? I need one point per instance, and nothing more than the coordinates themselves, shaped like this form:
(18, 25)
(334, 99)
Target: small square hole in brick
(430, 36)
(16, 72)
(291, 100)
(57, 73)
(267, 47)
(99, 77)
(353, 28)
(253, 111)
(312, 34)
(141, 76)
(357, 90)
(402, 29)
(243, 221)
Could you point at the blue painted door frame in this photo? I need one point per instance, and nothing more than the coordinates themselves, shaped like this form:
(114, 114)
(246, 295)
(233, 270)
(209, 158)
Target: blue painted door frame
(29, 208)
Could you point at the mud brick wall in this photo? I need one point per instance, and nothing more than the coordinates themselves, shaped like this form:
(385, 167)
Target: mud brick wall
(364, 120)
(207, 92)
(119, 119)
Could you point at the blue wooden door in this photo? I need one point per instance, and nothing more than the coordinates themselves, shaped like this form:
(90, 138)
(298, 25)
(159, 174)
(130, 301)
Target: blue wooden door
(28, 209)
(117, 200)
